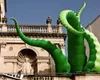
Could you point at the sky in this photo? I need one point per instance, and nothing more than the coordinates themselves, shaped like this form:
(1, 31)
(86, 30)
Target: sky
(37, 11)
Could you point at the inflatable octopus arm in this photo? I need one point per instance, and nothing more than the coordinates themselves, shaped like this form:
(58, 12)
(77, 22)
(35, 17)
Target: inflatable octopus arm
(78, 14)
(61, 63)
(93, 64)
(76, 48)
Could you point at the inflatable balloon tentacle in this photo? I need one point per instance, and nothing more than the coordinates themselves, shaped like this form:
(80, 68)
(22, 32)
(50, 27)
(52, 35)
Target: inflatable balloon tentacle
(80, 11)
(66, 24)
(93, 64)
(76, 47)
(76, 16)
(60, 60)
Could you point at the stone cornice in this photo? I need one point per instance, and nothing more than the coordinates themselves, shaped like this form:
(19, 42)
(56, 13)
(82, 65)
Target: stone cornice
(10, 57)
(34, 35)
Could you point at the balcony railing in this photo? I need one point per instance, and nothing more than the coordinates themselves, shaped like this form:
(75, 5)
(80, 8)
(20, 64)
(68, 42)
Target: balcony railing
(36, 77)
(28, 29)
(48, 77)
(55, 29)
(90, 76)
(33, 28)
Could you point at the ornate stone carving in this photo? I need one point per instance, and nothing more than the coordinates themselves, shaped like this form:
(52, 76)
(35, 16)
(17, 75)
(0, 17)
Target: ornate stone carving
(62, 45)
(48, 21)
(10, 48)
(3, 44)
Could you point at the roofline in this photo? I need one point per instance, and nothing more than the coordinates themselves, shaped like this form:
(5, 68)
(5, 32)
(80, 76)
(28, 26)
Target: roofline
(93, 21)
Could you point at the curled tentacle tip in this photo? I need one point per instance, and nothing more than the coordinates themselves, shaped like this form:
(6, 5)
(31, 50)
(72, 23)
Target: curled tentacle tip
(84, 4)
(12, 18)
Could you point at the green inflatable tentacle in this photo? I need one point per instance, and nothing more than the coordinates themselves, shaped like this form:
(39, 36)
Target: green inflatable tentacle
(80, 11)
(76, 47)
(61, 63)
(68, 23)
(93, 63)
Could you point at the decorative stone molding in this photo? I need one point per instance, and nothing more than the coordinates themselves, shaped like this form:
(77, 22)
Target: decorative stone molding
(62, 45)
(3, 44)
(42, 49)
(42, 58)
(10, 48)
(11, 59)
(34, 35)
(45, 71)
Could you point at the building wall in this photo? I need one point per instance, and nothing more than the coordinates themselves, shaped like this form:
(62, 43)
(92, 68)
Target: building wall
(10, 47)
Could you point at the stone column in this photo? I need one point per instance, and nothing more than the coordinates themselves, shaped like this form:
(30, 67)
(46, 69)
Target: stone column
(2, 10)
(59, 26)
(1, 64)
(2, 45)
(14, 67)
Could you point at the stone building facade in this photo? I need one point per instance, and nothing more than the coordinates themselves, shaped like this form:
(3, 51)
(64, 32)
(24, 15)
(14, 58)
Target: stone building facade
(15, 55)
